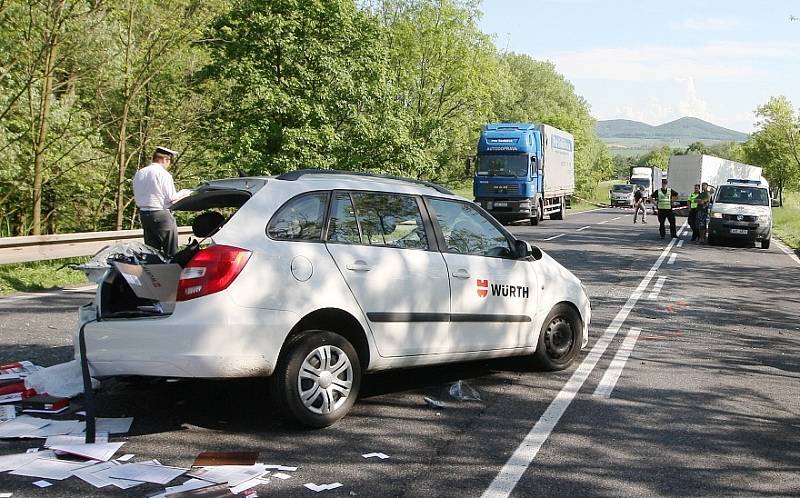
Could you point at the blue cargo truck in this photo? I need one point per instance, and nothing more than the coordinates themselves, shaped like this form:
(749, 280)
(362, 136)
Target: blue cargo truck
(524, 171)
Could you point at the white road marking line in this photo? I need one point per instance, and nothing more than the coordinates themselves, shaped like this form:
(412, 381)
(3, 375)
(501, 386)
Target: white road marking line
(672, 259)
(787, 250)
(615, 219)
(614, 370)
(24, 297)
(584, 228)
(657, 288)
(603, 222)
(508, 477)
(554, 237)
(680, 243)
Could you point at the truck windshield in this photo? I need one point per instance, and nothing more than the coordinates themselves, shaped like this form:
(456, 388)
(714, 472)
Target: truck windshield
(731, 194)
(644, 182)
(503, 165)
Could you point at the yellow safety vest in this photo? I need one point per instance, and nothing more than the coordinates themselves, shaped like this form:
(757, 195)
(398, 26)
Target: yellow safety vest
(664, 200)
(693, 200)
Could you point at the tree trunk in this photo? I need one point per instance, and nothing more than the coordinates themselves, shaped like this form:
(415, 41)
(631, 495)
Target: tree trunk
(122, 164)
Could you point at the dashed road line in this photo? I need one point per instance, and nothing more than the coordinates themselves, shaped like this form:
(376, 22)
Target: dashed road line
(657, 288)
(614, 370)
(680, 243)
(554, 237)
(603, 222)
(584, 228)
(787, 250)
(508, 477)
(617, 218)
(672, 259)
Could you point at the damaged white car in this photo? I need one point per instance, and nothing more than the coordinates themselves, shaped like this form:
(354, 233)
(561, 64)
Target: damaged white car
(314, 278)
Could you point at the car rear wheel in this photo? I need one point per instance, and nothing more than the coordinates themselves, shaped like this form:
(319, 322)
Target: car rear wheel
(559, 340)
(317, 379)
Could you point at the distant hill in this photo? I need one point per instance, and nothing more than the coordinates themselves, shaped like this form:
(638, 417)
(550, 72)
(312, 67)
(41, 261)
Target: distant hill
(627, 137)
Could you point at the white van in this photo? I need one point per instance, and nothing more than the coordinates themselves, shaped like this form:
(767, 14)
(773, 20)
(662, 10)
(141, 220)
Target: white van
(741, 209)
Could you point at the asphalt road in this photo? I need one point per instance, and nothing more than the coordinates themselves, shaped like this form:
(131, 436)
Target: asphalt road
(693, 389)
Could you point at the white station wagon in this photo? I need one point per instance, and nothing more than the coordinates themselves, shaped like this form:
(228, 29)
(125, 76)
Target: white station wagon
(314, 278)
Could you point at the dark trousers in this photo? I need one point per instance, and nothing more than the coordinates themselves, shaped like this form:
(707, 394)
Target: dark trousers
(160, 231)
(667, 214)
(693, 222)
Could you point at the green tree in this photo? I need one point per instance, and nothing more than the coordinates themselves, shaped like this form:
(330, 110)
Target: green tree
(776, 144)
(658, 158)
(697, 148)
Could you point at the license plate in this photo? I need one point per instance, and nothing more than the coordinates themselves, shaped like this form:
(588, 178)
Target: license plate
(500, 204)
(738, 231)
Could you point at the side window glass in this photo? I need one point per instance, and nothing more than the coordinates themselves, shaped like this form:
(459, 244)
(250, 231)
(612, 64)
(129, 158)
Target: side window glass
(390, 220)
(343, 226)
(467, 231)
(300, 218)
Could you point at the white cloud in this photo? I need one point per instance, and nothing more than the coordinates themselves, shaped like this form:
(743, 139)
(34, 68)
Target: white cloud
(710, 24)
(691, 104)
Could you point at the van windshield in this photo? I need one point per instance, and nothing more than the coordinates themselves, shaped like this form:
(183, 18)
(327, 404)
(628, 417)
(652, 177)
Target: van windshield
(732, 194)
(626, 189)
(503, 165)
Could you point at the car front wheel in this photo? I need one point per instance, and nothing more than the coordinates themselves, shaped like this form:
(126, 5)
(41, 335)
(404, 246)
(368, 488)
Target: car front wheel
(559, 340)
(318, 378)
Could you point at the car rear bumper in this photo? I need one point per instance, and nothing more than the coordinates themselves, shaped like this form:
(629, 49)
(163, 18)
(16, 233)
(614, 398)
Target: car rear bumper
(209, 337)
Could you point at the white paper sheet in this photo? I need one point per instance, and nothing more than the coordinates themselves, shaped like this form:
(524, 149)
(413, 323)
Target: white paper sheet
(56, 428)
(113, 425)
(89, 474)
(17, 460)
(50, 468)
(283, 468)
(21, 425)
(42, 484)
(250, 483)
(187, 486)
(95, 451)
(322, 487)
(7, 412)
(382, 456)
(233, 475)
(159, 474)
(120, 483)
(125, 457)
(100, 437)
(281, 476)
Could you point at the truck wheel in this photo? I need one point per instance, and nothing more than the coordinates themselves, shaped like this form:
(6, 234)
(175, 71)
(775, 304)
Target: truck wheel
(765, 243)
(559, 339)
(318, 378)
(559, 215)
(538, 216)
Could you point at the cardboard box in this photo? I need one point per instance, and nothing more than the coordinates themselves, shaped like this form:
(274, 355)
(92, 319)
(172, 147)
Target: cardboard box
(158, 282)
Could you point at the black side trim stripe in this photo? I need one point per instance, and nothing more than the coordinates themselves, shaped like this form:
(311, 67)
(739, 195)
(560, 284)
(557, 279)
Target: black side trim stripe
(445, 317)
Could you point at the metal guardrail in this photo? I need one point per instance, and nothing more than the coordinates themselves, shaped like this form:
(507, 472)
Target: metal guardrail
(69, 245)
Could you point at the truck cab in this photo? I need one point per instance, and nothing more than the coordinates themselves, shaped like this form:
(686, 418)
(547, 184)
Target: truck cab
(524, 171)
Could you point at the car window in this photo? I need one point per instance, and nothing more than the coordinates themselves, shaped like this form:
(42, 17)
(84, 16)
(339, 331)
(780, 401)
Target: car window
(388, 220)
(343, 226)
(467, 231)
(301, 218)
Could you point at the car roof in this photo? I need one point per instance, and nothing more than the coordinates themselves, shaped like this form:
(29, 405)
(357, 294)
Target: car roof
(336, 179)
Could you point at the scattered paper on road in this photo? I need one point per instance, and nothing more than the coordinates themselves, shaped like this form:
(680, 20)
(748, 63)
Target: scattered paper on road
(42, 484)
(57, 428)
(6, 495)
(21, 425)
(103, 476)
(125, 457)
(7, 412)
(100, 437)
(113, 425)
(89, 474)
(382, 456)
(159, 474)
(94, 451)
(50, 468)
(322, 487)
(282, 468)
(249, 484)
(281, 475)
(233, 475)
(189, 485)
(17, 460)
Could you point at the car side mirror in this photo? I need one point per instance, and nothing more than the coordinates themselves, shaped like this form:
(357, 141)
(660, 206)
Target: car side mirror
(523, 250)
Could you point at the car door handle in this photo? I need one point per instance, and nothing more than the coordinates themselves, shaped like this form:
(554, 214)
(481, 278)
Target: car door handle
(461, 273)
(359, 266)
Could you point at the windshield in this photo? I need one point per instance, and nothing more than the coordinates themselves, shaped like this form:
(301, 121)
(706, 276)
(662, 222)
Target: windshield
(503, 165)
(625, 189)
(731, 194)
(644, 182)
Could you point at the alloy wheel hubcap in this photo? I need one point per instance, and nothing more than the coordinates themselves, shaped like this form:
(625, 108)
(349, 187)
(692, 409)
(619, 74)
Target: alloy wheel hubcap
(325, 379)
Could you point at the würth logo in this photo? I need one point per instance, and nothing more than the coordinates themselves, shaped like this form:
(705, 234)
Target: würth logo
(483, 288)
(502, 290)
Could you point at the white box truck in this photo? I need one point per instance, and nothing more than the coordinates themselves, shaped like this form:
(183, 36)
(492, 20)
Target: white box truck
(648, 177)
(686, 171)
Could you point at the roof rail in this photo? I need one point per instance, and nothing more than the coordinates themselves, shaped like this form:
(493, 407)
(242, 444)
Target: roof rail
(297, 174)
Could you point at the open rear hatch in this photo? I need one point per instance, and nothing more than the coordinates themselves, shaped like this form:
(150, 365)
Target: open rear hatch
(131, 278)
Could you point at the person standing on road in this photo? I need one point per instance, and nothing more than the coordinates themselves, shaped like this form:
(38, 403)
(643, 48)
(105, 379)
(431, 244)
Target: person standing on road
(154, 193)
(638, 204)
(703, 205)
(664, 198)
(693, 211)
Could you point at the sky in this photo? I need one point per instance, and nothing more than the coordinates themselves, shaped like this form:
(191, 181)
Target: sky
(656, 61)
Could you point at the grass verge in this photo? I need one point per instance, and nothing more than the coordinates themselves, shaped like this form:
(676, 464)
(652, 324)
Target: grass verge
(786, 220)
(39, 275)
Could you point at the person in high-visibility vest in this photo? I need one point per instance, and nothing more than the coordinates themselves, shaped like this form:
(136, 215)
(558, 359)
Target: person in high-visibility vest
(693, 211)
(664, 198)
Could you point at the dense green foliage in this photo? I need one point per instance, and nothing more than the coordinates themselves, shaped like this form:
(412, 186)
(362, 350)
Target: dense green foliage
(88, 89)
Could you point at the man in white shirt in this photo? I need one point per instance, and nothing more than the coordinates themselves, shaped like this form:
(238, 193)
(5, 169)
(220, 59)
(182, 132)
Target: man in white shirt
(154, 193)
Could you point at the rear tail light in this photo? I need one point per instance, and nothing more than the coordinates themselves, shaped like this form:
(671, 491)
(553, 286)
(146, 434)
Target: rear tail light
(211, 270)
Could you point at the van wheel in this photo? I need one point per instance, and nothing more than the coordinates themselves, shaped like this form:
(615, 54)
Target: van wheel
(559, 340)
(317, 379)
(765, 243)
